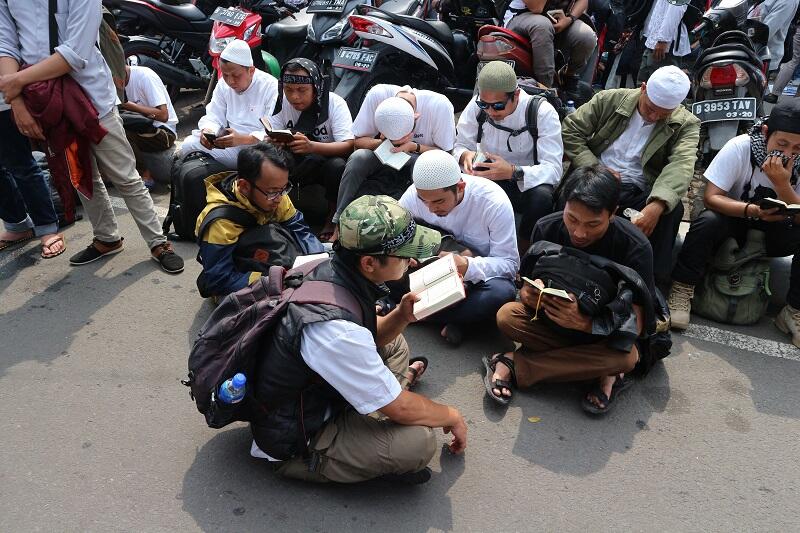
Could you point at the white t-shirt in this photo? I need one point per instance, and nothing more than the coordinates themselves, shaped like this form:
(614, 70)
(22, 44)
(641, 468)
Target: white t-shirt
(338, 127)
(483, 222)
(731, 171)
(625, 154)
(241, 111)
(146, 88)
(345, 356)
(436, 125)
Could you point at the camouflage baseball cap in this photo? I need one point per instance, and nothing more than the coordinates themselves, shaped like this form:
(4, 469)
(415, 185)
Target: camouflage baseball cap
(378, 225)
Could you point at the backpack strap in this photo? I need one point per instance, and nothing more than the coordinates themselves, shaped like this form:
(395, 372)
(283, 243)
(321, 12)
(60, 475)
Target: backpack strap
(531, 125)
(51, 8)
(227, 212)
(325, 292)
(481, 121)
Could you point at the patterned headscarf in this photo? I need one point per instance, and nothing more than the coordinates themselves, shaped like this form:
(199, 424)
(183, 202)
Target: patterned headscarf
(759, 154)
(317, 113)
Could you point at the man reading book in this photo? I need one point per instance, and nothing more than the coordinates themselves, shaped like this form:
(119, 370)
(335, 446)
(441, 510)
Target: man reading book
(751, 167)
(478, 214)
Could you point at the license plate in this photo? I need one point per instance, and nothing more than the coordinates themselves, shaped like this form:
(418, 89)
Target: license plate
(482, 64)
(725, 109)
(231, 17)
(326, 6)
(355, 59)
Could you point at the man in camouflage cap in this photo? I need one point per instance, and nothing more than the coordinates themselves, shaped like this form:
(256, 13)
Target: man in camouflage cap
(364, 363)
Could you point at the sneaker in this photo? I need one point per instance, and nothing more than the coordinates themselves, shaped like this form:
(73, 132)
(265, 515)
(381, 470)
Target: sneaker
(680, 304)
(771, 98)
(164, 255)
(788, 321)
(95, 251)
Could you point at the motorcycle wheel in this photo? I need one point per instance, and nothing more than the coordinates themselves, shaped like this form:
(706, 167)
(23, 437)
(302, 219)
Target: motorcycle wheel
(133, 48)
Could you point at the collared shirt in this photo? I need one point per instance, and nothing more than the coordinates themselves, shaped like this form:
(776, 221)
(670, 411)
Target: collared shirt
(241, 111)
(25, 36)
(494, 141)
(483, 222)
(625, 154)
(664, 24)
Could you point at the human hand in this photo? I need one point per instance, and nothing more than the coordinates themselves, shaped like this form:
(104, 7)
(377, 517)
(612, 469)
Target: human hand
(660, 51)
(778, 172)
(466, 161)
(566, 314)
(405, 309)
(562, 23)
(768, 215)
(529, 295)
(462, 264)
(650, 215)
(26, 124)
(499, 169)
(204, 140)
(459, 432)
(10, 86)
(301, 144)
(404, 144)
(230, 139)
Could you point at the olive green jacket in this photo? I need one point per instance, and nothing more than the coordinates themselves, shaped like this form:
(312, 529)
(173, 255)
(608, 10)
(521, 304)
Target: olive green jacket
(668, 158)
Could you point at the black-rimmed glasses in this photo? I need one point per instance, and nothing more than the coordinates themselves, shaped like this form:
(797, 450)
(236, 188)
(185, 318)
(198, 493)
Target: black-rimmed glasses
(277, 194)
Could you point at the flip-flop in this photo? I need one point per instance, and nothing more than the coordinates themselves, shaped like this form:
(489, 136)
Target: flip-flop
(49, 243)
(608, 402)
(9, 243)
(491, 364)
(417, 374)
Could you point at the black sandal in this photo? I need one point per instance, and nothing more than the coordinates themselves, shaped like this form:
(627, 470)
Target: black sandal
(606, 402)
(491, 364)
(417, 374)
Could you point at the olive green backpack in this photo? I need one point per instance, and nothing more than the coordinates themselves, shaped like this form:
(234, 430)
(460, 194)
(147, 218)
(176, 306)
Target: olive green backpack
(735, 290)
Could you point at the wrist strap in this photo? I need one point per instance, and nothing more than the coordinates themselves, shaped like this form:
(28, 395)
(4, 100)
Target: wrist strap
(748, 204)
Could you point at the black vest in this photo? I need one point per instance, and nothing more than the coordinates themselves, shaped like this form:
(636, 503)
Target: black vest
(296, 399)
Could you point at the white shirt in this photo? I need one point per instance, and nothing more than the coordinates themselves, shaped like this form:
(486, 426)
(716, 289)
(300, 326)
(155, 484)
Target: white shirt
(345, 356)
(338, 127)
(625, 154)
(146, 88)
(663, 24)
(731, 171)
(483, 222)
(25, 36)
(241, 111)
(778, 15)
(434, 127)
(550, 148)
(514, 4)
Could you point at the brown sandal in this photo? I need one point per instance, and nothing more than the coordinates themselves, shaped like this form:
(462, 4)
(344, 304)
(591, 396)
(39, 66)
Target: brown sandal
(50, 242)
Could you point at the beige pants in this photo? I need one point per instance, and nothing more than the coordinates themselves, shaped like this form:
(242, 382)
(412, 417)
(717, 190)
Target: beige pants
(354, 447)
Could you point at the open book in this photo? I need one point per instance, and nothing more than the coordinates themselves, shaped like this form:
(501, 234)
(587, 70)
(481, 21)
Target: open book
(559, 293)
(387, 157)
(783, 207)
(437, 285)
(282, 136)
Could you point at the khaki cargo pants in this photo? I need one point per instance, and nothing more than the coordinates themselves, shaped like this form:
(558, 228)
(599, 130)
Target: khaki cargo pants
(354, 447)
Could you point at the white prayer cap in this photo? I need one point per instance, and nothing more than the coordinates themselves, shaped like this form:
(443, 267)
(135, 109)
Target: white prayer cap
(238, 52)
(667, 87)
(394, 118)
(435, 169)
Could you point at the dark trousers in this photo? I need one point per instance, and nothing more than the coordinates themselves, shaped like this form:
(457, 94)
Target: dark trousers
(532, 204)
(710, 229)
(662, 239)
(317, 169)
(25, 201)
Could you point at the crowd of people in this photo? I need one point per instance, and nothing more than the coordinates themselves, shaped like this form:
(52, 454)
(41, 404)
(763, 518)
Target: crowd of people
(517, 196)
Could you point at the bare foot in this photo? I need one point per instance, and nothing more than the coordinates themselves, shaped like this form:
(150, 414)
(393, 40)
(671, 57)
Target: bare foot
(503, 373)
(14, 235)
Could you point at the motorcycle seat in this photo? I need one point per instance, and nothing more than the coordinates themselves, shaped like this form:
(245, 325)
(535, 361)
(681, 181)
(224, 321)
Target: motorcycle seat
(287, 29)
(435, 28)
(400, 7)
(733, 52)
(188, 12)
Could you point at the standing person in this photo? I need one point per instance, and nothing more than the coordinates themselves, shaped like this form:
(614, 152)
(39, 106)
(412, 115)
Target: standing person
(665, 37)
(786, 72)
(146, 95)
(778, 15)
(23, 41)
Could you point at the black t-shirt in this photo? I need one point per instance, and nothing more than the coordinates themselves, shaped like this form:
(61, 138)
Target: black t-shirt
(623, 243)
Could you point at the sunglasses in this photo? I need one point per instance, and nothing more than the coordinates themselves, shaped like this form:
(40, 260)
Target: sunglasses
(277, 194)
(497, 106)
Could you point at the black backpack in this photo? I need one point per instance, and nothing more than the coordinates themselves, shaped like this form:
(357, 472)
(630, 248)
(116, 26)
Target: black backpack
(232, 339)
(187, 196)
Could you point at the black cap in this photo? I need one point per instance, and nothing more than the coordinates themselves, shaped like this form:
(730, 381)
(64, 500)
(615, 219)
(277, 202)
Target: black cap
(785, 116)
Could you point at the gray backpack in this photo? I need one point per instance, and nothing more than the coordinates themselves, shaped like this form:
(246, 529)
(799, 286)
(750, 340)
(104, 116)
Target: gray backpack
(735, 290)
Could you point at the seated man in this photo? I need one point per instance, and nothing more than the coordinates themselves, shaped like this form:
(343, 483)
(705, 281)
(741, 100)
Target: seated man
(242, 96)
(338, 370)
(146, 95)
(322, 127)
(750, 167)
(260, 187)
(433, 127)
(649, 140)
(478, 214)
(563, 343)
(527, 169)
(569, 34)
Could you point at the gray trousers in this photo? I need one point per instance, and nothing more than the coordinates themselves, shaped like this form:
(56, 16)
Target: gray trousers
(577, 41)
(787, 69)
(113, 160)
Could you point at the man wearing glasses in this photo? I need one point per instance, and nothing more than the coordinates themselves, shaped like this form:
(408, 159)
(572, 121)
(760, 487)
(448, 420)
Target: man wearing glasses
(260, 187)
(527, 169)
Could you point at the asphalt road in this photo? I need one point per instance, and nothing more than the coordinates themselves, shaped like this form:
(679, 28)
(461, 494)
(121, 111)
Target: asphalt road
(98, 434)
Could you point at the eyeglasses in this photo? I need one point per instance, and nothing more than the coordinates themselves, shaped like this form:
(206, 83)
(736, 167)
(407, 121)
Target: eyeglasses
(277, 194)
(497, 106)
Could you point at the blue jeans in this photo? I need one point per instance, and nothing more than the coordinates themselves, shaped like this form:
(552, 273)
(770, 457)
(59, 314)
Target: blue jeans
(483, 301)
(25, 201)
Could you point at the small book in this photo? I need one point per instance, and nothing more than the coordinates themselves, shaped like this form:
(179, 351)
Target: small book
(396, 160)
(555, 14)
(303, 259)
(783, 207)
(558, 293)
(437, 285)
(282, 136)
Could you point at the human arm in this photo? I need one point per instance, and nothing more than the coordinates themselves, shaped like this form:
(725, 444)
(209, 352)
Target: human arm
(220, 276)
(673, 180)
(663, 27)
(394, 323)
(718, 200)
(160, 113)
(411, 409)
(578, 9)
(216, 110)
(579, 127)
(503, 257)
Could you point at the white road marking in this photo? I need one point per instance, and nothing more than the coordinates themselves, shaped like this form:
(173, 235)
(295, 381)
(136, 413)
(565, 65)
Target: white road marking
(743, 342)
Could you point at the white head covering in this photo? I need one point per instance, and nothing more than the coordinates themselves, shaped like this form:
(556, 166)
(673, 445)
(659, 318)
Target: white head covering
(667, 87)
(394, 118)
(238, 52)
(435, 169)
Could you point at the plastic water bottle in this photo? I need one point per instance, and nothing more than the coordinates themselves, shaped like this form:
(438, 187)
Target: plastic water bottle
(232, 391)
(632, 214)
(570, 107)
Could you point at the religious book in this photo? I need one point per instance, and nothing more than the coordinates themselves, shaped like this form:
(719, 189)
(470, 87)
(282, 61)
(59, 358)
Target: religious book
(396, 160)
(303, 259)
(558, 293)
(281, 136)
(437, 285)
(783, 207)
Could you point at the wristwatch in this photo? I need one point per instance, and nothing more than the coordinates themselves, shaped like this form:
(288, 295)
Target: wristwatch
(573, 17)
(417, 149)
(517, 174)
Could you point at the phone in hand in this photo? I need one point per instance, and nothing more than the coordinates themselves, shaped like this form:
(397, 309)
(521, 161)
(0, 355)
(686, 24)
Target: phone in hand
(212, 137)
(479, 158)
(555, 15)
